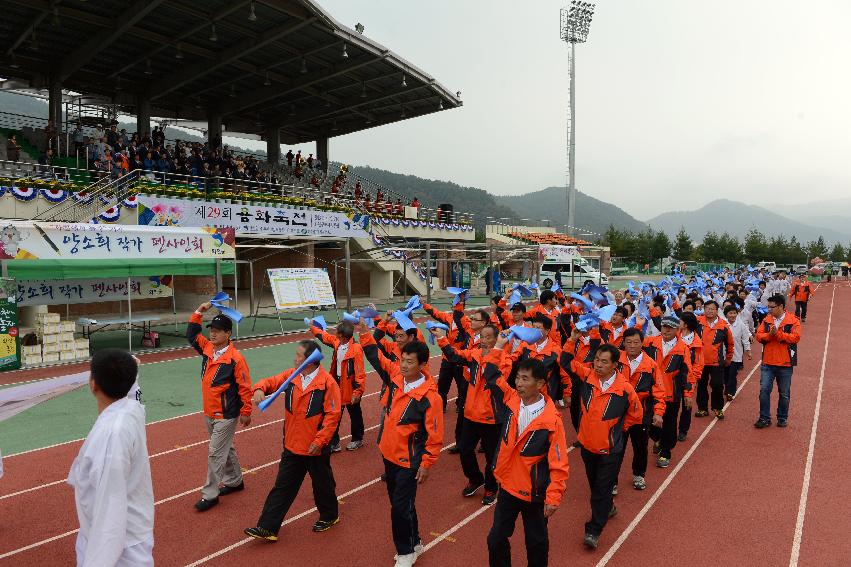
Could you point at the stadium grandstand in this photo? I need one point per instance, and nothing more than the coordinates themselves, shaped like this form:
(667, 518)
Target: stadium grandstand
(281, 71)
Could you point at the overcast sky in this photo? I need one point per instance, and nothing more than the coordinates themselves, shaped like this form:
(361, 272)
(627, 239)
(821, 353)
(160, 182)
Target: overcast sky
(679, 102)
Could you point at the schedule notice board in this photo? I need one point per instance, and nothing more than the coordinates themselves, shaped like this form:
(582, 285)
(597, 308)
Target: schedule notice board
(296, 288)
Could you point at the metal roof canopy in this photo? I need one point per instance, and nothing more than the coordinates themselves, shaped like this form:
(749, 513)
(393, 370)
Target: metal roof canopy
(285, 63)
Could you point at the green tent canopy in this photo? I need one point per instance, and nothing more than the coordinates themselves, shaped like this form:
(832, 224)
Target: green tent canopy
(81, 269)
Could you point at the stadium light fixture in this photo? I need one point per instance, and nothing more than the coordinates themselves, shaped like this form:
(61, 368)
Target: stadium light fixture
(148, 70)
(404, 82)
(359, 28)
(363, 89)
(252, 17)
(575, 24)
(213, 37)
(440, 105)
(334, 126)
(267, 82)
(232, 91)
(303, 65)
(178, 54)
(402, 114)
(345, 53)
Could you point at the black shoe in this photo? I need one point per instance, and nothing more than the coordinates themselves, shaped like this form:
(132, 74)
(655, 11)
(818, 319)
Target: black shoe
(454, 450)
(383, 477)
(682, 436)
(260, 533)
(729, 397)
(718, 413)
(591, 541)
(577, 444)
(203, 505)
(324, 525)
(613, 512)
(225, 490)
(701, 413)
(782, 423)
(657, 447)
(471, 489)
(761, 424)
(489, 498)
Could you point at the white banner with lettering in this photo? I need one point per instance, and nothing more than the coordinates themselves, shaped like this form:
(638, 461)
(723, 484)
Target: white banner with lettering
(251, 219)
(47, 292)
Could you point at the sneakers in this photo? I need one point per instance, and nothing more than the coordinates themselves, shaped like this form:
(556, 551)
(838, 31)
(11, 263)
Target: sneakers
(662, 462)
(719, 413)
(418, 550)
(335, 448)
(682, 436)
(471, 489)
(489, 498)
(782, 423)
(762, 424)
(657, 447)
(729, 397)
(325, 525)
(701, 413)
(591, 541)
(638, 482)
(406, 560)
(203, 505)
(615, 490)
(354, 445)
(225, 490)
(260, 533)
(613, 512)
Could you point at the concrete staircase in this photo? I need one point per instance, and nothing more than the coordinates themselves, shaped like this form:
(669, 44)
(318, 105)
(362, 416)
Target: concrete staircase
(385, 270)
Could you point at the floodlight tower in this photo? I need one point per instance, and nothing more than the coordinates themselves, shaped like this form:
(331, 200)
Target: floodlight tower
(575, 25)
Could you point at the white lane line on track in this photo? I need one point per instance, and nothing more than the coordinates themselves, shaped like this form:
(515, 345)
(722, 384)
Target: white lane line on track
(464, 522)
(805, 488)
(6, 457)
(197, 489)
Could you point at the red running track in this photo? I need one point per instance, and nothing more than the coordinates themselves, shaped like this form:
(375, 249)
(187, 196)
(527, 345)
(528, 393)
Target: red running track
(733, 495)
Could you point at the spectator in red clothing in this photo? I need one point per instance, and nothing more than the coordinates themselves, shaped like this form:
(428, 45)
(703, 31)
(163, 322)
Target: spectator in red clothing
(399, 209)
(358, 190)
(290, 158)
(334, 188)
(366, 203)
(415, 203)
(310, 161)
(388, 207)
(298, 159)
(379, 196)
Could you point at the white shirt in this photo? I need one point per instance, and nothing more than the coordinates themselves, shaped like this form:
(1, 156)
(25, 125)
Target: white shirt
(220, 352)
(668, 345)
(528, 414)
(608, 383)
(779, 321)
(616, 331)
(741, 339)
(111, 477)
(540, 346)
(415, 384)
(341, 354)
(633, 363)
(306, 379)
(687, 339)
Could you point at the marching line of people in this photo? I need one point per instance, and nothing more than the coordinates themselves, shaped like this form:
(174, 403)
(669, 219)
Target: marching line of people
(629, 366)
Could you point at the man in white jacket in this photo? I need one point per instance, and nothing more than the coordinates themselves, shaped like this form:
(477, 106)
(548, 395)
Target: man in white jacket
(741, 345)
(111, 475)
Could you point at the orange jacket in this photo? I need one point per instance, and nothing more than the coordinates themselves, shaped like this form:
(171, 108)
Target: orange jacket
(718, 342)
(677, 378)
(531, 466)
(550, 355)
(608, 334)
(478, 405)
(801, 291)
(583, 352)
(226, 381)
(311, 415)
(353, 379)
(605, 415)
(695, 361)
(460, 334)
(646, 377)
(781, 348)
(389, 328)
(411, 430)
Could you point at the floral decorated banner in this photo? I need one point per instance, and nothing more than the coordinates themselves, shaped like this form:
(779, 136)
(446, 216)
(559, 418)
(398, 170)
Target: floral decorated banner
(250, 219)
(28, 240)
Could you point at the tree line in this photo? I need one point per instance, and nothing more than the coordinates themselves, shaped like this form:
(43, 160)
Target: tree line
(649, 246)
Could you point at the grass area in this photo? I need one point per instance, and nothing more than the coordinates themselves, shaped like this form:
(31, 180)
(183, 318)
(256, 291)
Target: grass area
(169, 389)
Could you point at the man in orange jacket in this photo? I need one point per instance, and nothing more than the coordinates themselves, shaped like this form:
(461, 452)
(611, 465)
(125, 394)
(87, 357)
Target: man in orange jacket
(531, 466)
(610, 407)
(410, 436)
(481, 421)
(311, 415)
(226, 392)
(801, 292)
(779, 333)
(347, 369)
(718, 348)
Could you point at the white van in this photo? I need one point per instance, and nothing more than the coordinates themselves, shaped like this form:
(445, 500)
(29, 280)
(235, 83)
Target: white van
(555, 257)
